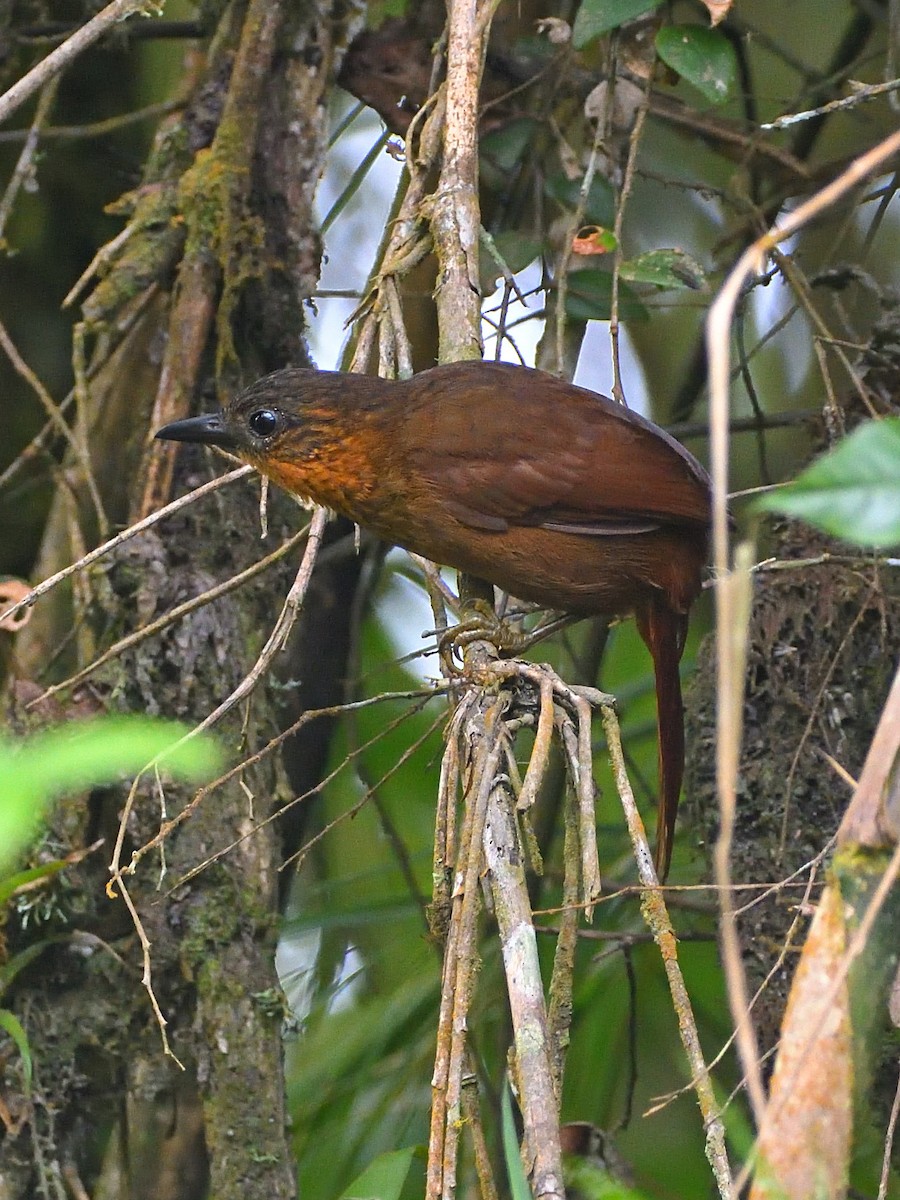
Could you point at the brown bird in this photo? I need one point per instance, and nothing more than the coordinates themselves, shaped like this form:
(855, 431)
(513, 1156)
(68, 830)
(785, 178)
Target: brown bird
(549, 491)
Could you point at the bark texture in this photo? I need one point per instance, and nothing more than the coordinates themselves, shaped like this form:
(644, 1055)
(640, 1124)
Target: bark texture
(207, 292)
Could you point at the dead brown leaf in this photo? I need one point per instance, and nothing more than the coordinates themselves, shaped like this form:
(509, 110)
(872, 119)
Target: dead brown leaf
(718, 10)
(11, 592)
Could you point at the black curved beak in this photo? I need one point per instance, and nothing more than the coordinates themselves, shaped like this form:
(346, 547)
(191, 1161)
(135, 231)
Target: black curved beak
(208, 429)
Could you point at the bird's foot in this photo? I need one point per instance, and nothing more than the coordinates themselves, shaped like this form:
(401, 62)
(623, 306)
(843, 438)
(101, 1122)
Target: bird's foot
(481, 624)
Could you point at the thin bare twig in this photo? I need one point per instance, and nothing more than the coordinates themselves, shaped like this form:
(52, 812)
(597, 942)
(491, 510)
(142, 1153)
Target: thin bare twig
(297, 859)
(54, 415)
(861, 95)
(653, 906)
(94, 129)
(275, 642)
(147, 972)
(283, 626)
(52, 581)
(634, 142)
(310, 714)
(889, 1144)
(169, 618)
(815, 711)
(562, 270)
(62, 56)
(25, 165)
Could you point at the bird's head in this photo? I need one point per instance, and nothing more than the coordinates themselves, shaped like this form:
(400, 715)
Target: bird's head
(286, 416)
(302, 428)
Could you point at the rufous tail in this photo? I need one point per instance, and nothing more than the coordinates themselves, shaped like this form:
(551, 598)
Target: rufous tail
(664, 631)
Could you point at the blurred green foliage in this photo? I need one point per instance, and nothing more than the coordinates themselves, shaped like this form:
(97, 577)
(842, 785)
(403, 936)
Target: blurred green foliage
(82, 754)
(853, 491)
(68, 759)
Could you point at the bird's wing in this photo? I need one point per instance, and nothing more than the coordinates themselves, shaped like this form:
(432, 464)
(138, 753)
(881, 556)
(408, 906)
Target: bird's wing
(571, 460)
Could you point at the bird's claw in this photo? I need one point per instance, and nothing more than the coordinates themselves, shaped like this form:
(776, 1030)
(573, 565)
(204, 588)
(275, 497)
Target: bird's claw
(480, 625)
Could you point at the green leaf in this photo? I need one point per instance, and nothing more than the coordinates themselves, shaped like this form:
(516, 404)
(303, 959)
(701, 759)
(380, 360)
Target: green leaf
(12, 883)
(515, 1172)
(80, 755)
(383, 1178)
(593, 1181)
(9, 970)
(13, 1026)
(601, 206)
(704, 57)
(505, 147)
(589, 298)
(599, 16)
(378, 11)
(853, 492)
(665, 269)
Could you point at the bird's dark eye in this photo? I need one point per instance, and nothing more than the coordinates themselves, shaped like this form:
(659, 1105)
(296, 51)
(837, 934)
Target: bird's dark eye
(263, 422)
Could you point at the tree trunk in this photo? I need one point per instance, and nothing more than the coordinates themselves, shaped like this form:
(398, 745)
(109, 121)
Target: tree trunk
(210, 284)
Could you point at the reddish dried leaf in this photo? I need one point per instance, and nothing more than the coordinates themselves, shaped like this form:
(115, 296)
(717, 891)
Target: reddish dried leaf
(11, 592)
(718, 10)
(593, 239)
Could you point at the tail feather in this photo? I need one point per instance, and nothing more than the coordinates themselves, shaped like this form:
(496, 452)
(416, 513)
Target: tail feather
(663, 631)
